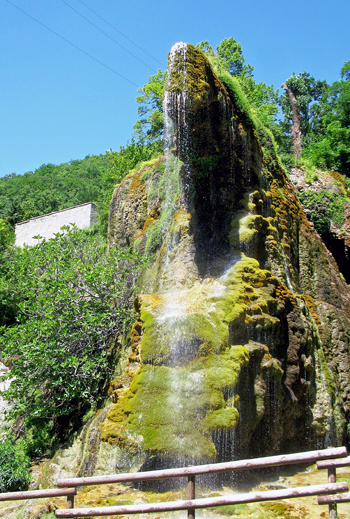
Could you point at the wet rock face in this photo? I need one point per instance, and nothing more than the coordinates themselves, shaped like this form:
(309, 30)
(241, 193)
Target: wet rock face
(220, 153)
(243, 320)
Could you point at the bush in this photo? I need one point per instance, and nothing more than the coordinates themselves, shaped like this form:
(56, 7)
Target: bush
(14, 466)
(72, 301)
(324, 207)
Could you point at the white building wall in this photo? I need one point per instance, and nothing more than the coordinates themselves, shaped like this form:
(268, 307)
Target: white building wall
(83, 216)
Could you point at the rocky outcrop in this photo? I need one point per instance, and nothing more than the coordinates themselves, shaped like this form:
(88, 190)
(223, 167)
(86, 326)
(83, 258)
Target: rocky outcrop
(325, 197)
(243, 316)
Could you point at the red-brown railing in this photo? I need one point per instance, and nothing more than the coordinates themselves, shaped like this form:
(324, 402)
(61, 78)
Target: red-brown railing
(191, 472)
(332, 500)
(68, 487)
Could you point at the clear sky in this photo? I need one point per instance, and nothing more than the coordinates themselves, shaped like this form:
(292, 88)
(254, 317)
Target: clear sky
(57, 104)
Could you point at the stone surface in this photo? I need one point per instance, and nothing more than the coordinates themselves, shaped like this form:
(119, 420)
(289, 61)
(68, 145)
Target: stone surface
(235, 267)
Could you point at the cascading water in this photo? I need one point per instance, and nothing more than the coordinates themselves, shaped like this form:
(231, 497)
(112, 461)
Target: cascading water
(175, 101)
(186, 315)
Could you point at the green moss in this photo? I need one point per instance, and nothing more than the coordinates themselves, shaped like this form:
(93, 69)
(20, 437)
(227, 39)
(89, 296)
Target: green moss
(324, 207)
(193, 83)
(174, 408)
(142, 165)
(240, 510)
(328, 375)
(265, 136)
(222, 419)
(196, 330)
(108, 501)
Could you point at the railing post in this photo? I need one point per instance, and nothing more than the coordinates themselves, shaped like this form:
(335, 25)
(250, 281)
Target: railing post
(191, 494)
(332, 507)
(70, 502)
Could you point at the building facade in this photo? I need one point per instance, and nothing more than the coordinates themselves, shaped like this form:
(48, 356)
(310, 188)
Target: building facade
(46, 226)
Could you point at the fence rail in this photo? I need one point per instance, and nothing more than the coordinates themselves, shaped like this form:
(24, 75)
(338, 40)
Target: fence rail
(326, 458)
(271, 461)
(332, 500)
(208, 502)
(36, 494)
(191, 472)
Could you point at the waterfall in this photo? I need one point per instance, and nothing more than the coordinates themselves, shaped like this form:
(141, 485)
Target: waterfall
(174, 101)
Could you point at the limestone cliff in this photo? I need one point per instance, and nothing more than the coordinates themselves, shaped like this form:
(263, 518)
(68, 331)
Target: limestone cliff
(241, 344)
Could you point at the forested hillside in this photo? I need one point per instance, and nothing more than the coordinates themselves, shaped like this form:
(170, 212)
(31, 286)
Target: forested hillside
(51, 188)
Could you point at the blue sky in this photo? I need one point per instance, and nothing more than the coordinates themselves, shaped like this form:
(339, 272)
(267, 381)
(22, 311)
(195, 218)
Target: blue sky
(57, 104)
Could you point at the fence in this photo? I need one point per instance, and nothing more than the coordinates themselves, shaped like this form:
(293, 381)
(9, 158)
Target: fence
(191, 472)
(68, 487)
(332, 500)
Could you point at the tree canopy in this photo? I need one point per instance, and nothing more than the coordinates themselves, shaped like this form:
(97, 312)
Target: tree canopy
(324, 119)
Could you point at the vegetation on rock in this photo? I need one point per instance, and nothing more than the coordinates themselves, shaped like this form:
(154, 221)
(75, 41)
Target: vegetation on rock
(269, 304)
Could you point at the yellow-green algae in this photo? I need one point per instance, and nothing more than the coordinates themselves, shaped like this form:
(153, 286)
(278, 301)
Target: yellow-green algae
(173, 405)
(172, 412)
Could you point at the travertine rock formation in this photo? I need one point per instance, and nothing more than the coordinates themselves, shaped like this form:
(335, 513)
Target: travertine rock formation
(241, 344)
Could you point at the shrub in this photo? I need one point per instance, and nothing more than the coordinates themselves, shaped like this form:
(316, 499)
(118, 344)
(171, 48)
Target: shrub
(72, 301)
(14, 466)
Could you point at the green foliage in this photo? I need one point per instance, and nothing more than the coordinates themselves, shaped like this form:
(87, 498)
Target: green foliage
(324, 207)
(120, 164)
(72, 301)
(51, 188)
(14, 465)
(228, 60)
(127, 158)
(240, 100)
(229, 54)
(325, 120)
(6, 236)
(329, 147)
(307, 90)
(149, 128)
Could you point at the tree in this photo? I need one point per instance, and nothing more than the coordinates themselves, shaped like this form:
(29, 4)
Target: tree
(72, 302)
(300, 92)
(149, 128)
(330, 144)
(228, 57)
(51, 188)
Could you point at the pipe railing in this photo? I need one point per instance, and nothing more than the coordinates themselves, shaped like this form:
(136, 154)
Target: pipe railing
(37, 494)
(191, 504)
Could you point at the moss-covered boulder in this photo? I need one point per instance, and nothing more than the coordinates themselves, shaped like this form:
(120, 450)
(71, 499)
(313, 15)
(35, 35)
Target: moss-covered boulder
(243, 324)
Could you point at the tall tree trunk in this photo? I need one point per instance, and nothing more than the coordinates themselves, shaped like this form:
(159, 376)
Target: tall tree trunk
(296, 132)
